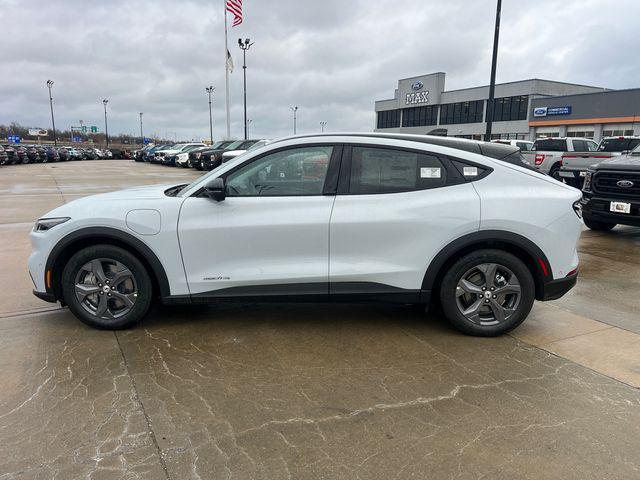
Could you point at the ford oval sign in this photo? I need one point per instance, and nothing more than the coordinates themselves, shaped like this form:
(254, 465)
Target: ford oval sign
(417, 85)
(540, 112)
(625, 183)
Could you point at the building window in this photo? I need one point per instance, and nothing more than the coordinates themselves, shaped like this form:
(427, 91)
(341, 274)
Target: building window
(617, 133)
(510, 108)
(461, 112)
(581, 134)
(389, 119)
(420, 116)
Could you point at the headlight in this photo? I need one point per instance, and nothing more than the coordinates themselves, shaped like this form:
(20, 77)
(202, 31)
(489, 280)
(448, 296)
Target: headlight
(587, 181)
(45, 224)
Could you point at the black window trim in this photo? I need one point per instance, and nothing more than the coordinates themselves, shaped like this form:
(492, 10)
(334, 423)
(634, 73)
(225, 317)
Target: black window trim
(330, 181)
(454, 176)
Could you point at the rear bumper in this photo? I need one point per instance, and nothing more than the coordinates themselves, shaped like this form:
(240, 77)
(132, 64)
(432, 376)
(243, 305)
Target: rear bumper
(47, 297)
(557, 288)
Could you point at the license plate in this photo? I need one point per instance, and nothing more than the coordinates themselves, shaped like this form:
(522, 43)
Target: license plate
(620, 207)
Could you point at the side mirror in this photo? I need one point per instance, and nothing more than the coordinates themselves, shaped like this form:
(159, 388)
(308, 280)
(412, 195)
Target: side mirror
(215, 189)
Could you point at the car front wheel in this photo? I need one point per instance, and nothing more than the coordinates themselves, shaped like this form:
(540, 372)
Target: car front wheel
(487, 293)
(106, 287)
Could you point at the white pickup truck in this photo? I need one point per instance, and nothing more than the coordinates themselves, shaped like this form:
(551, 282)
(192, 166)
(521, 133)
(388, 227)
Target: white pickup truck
(548, 153)
(575, 164)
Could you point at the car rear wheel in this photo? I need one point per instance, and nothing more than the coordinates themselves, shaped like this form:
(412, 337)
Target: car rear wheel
(598, 226)
(487, 293)
(107, 287)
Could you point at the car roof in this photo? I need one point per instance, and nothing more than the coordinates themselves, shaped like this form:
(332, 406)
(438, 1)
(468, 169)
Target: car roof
(488, 149)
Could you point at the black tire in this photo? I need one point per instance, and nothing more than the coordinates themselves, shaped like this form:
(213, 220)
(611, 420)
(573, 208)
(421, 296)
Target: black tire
(138, 274)
(598, 226)
(555, 172)
(503, 260)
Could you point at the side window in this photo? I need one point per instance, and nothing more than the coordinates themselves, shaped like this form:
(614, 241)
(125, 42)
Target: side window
(384, 170)
(297, 171)
(579, 146)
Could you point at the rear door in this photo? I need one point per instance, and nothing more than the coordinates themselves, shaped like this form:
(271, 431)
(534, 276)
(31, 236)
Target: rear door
(395, 210)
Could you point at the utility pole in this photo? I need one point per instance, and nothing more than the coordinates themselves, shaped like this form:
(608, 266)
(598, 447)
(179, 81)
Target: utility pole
(295, 118)
(106, 126)
(53, 122)
(209, 91)
(244, 46)
(492, 85)
(322, 125)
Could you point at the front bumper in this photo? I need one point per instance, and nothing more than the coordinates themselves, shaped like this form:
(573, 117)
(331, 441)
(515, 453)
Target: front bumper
(595, 207)
(47, 297)
(557, 288)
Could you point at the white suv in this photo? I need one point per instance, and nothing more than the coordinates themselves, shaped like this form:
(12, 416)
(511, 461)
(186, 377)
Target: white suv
(350, 217)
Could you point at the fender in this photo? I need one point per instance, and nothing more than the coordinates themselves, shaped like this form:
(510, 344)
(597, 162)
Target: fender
(113, 234)
(536, 255)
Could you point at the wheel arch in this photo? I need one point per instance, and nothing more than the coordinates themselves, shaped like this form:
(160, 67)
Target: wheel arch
(75, 241)
(523, 248)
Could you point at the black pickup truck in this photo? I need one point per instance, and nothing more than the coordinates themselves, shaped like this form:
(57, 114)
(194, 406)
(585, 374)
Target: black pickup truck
(611, 193)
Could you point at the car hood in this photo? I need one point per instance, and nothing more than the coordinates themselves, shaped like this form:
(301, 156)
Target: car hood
(621, 162)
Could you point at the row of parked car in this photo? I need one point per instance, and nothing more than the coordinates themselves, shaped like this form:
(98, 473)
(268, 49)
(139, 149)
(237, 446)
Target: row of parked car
(21, 154)
(196, 155)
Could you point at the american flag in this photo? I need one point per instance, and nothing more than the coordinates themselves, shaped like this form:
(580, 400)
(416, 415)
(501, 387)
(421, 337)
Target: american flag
(235, 7)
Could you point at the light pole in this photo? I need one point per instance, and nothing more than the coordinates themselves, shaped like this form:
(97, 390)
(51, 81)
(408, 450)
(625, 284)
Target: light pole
(106, 126)
(322, 125)
(295, 118)
(53, 122)
(141, 135)
(249, 125)
(244, 46)
(209, 91)
(492, 84)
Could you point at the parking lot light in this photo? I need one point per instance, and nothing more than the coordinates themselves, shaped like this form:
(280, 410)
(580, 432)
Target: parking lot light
(106, 127)
(244, 46)
(295, 118)
(53, 122)
(322, 125)
(209, 91)
(141, 135)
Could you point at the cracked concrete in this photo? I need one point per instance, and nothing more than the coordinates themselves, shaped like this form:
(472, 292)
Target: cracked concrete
(308, 391)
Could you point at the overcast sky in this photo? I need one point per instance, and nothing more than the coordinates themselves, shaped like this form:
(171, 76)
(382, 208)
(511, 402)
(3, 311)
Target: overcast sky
(331, 58)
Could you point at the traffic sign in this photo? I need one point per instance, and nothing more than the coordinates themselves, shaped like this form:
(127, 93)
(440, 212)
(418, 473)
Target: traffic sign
(77, 139)
(94, 129)
(14, 138)
(146, 141)
(84, 129)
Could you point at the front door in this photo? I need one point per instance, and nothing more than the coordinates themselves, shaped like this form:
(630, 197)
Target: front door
(270, 235)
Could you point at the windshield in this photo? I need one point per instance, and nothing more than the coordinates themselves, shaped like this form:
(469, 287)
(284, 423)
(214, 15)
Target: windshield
(191, 147)
(246, 145)
(618, 144)
(550, 145)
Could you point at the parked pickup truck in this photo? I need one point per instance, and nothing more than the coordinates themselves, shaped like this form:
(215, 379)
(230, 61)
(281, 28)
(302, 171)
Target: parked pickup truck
(611, 192)
(575, 164)
(548, 152)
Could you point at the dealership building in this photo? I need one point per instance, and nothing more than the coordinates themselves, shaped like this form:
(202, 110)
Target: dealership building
(525, 109)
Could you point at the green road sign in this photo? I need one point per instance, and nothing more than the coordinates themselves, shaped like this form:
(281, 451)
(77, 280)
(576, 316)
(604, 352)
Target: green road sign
(94, 129)
(84, 129)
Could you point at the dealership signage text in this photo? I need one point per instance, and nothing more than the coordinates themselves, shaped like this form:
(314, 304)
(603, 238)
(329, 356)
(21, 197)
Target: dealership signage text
(545, 111)
(417, 97)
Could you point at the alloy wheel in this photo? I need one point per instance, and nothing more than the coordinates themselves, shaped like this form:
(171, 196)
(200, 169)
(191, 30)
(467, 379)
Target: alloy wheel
(488, 294)
(106, 288)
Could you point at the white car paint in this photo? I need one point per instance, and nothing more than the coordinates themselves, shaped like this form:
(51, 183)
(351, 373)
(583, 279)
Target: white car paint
(390, 238)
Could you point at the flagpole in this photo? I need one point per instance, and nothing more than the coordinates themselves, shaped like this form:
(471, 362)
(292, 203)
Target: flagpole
(226, 72)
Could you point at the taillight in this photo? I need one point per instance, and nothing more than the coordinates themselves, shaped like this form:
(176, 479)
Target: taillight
(539, 158)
